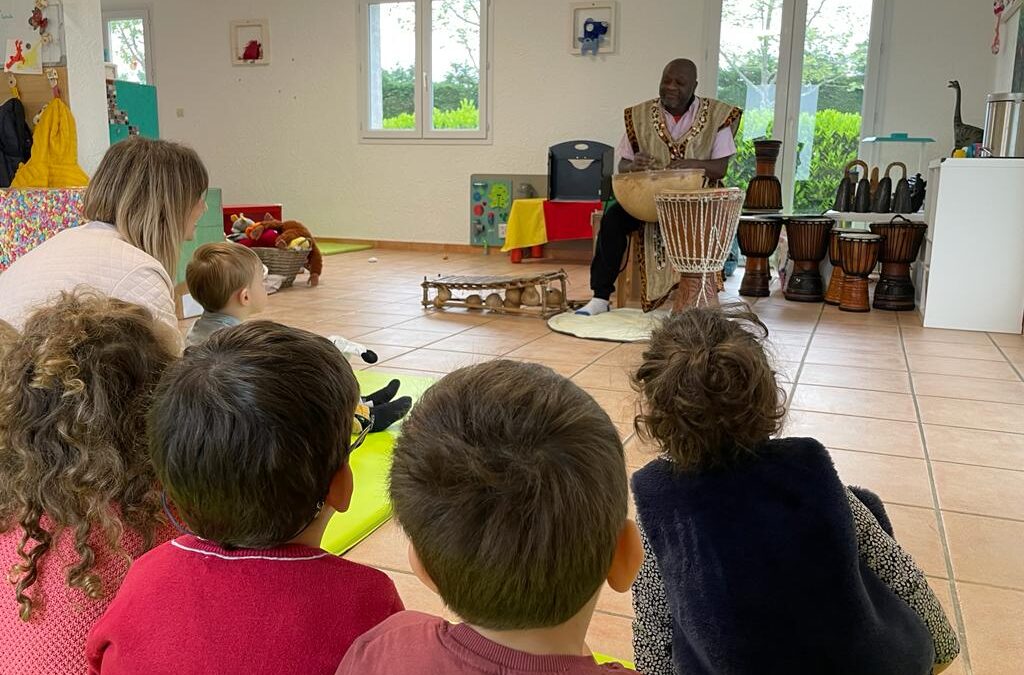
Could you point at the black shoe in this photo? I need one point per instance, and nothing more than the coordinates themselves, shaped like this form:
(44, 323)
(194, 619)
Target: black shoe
(386, 414)
(384, 395)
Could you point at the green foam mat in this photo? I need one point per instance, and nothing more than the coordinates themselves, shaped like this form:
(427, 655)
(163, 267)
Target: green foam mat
(371, 462)
(334, 247)
(601, 658)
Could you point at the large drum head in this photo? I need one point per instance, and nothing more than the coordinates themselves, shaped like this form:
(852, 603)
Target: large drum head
(635, 191)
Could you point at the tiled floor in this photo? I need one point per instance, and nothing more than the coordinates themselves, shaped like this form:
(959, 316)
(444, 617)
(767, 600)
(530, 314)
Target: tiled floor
(932, 420)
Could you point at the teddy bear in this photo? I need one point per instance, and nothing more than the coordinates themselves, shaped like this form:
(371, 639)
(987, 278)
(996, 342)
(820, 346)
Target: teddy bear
(285, 234)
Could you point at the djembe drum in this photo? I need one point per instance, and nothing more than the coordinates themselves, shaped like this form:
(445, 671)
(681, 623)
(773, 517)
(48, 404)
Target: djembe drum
(901, 242)
(758, 237)
(858, 253)
(698, 227)
(808, 244)
(835, 283)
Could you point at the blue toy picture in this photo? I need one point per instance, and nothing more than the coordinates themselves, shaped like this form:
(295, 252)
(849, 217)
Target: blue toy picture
(593, 34)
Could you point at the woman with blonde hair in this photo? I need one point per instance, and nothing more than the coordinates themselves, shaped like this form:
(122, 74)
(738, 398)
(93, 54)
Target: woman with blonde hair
(79, 499)
(143, 202)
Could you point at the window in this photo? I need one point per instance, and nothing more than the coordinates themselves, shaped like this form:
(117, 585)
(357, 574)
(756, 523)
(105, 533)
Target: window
(424, 69)
(800, 71)
(126, 44)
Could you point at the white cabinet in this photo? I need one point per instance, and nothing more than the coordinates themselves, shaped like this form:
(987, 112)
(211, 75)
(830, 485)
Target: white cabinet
(970, 272)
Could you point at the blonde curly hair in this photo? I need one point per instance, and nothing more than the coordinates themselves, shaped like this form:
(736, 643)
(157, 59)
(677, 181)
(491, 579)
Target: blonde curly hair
(75, 386)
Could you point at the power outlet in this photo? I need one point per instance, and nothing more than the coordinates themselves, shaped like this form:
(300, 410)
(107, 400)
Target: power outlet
(502, 229)
(180, 112)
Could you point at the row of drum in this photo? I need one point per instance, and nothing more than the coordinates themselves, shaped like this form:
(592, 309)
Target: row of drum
(853, 253)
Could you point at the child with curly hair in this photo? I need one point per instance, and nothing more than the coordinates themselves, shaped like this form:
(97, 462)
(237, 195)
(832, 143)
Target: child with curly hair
(78, 496)
(757, 559)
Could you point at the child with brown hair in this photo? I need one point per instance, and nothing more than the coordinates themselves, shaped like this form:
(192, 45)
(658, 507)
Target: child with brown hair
(78, 494)
(757, 558)
(248, 588)
(226, 279)
(510, 482)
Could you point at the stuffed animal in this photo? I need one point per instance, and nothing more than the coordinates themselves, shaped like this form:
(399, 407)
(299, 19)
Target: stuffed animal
(258, 235)
(288, 232)
(593, 31)
(253, 51)
(239, 224)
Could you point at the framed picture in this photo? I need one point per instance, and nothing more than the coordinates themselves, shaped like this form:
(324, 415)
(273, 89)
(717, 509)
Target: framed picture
(593, 27)
(250, 42)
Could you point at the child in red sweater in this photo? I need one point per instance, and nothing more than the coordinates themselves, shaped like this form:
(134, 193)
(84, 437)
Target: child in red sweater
(511, 484)
(78, 495)
(256, 480)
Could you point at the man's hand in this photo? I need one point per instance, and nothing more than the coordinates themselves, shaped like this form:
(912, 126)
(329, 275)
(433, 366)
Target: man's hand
(643, 162)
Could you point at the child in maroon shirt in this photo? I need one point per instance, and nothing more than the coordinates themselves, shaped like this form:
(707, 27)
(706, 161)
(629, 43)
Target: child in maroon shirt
(510, 482)
(256, 481)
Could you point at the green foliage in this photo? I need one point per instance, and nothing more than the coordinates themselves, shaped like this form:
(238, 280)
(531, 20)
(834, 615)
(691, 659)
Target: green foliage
(461, 83)
(131, 48)
(466, 116)
(836, 138)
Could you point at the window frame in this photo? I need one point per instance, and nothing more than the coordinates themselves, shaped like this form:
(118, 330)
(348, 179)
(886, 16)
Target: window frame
(421, 133)
(147, 35)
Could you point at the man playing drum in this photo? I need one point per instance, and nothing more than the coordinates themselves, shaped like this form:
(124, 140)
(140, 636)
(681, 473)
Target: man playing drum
(677, 130)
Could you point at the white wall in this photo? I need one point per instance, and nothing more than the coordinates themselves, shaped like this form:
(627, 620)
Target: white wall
(930, 43)
(288, 131)
(83, 35)
(1004, 63)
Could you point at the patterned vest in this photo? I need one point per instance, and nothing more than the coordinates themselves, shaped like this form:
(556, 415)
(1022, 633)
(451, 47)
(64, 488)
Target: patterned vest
(647, 131)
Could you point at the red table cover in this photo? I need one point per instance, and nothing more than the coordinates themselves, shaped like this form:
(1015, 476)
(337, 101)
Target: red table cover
(569, 220)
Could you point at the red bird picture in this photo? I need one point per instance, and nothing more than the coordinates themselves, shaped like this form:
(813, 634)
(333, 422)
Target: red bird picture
(253, 51)
(17, 57)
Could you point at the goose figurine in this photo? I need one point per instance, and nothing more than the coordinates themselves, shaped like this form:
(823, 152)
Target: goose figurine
(964, 134)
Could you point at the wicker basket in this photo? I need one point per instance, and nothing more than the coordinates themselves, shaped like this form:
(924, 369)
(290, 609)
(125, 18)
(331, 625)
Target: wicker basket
(282, 262)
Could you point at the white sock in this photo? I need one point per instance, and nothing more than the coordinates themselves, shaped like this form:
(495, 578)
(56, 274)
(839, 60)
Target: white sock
(595, 306)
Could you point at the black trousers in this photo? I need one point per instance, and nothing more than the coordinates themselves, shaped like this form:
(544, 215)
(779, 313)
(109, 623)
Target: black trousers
(612, 240)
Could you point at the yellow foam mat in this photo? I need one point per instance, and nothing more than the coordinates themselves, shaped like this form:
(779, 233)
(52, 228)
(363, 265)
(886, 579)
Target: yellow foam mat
(601, 658)
(371, 463)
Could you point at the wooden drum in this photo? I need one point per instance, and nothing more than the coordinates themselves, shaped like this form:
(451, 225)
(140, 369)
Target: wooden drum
(901, 243)
(698, 227)
(758, 237)
(808, 243)
(835, 283)
(858, 252)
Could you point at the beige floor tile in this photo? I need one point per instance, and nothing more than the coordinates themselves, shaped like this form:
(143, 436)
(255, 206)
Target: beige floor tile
(329, 319)
(917, 531)
(980, 352)
(615, 603)
(788, 337)
(962, 337)
(562, 368)
(387, 548)
(888, 344)
(887, 437)
(630, 355)
(386, 368)
(880, 405)
(620, 408)
(436, 360)
(594, 376)
(401, 338)
(979, 490)
(481, 344)
(855, 359)
(565, 349)
(639, 452)
(437, 323)
(1015, 355)
(786, 352)
(972, 446)
(942, 591)
(786, 371)
(994, 619)
(965, 367)
(973, 388)
(897, 480)
(855, 378)
(612, 635)
(986, 550)
(974, 414)
(1008, 340)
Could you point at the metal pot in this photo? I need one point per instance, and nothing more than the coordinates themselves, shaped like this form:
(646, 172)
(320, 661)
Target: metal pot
(1004, 125)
